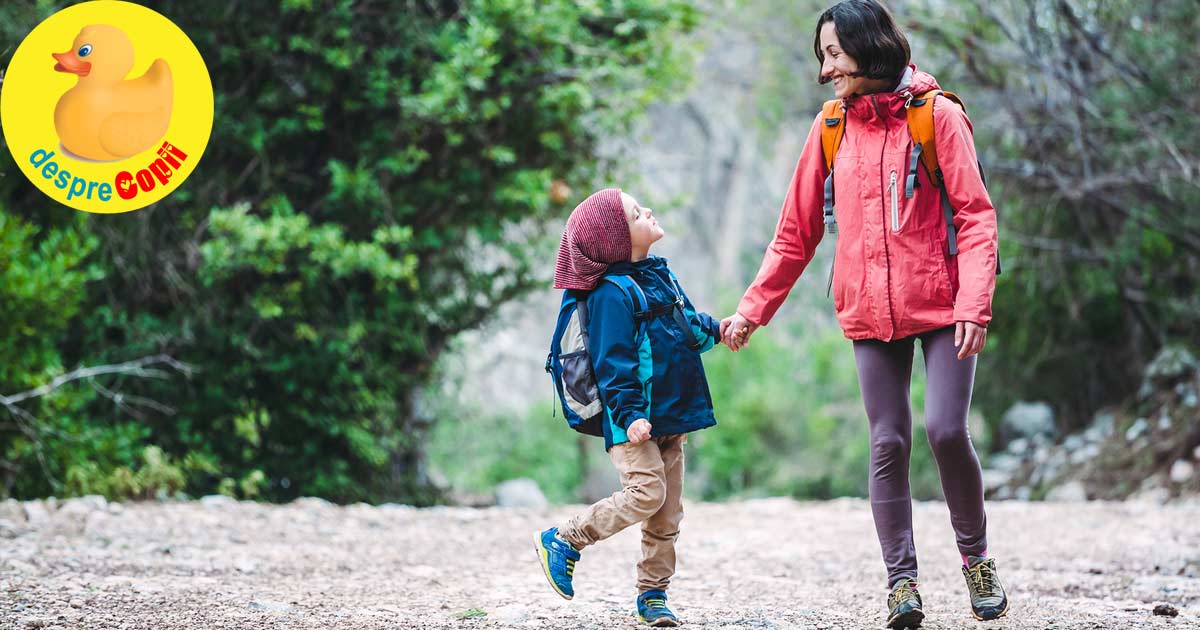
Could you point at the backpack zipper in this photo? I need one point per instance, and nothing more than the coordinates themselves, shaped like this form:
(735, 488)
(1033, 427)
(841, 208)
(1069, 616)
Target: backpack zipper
(895, 204)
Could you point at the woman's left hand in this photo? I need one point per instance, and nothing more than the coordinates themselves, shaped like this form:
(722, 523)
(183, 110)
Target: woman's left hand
(969, 338)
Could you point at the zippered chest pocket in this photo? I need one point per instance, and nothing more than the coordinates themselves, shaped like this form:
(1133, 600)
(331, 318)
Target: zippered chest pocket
(894, 194)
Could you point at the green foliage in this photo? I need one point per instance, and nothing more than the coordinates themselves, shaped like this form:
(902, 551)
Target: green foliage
(377, 181)
(1084, 113)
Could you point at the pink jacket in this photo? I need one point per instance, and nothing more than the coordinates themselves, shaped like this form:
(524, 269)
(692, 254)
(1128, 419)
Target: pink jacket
(887, 283)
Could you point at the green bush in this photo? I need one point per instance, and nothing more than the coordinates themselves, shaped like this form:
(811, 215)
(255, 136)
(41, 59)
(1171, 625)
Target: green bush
(377, 181)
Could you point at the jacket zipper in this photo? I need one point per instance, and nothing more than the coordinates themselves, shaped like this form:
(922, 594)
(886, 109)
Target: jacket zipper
(895, 204)
(887, 257)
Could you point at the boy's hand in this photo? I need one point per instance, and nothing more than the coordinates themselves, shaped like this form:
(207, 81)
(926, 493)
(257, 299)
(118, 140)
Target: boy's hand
(736, 331)
(639, 431)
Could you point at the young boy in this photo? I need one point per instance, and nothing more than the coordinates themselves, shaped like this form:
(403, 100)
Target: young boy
(654, 393)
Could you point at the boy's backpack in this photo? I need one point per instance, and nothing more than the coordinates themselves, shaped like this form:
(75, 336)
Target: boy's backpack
(920, 126)
(570, 363)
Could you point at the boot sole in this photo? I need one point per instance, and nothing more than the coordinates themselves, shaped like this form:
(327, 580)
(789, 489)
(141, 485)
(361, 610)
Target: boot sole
(998, 615)
(910, 619)
(661, 623)
(542, 560)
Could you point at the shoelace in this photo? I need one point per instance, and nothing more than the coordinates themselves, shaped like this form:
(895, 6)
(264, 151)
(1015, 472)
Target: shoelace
(656, 604)
(983, 579)
(906, 592)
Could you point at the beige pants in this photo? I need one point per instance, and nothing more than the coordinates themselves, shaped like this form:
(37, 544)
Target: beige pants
(651, 494)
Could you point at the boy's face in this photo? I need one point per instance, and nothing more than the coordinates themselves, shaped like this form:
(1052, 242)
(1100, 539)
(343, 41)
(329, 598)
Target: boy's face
(644, 229)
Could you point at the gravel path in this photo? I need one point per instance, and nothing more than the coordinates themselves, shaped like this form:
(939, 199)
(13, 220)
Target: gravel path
(771, 563)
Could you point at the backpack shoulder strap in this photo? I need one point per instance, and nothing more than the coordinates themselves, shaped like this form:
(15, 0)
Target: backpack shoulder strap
(920, 126)
(635, 293)
(833, 127)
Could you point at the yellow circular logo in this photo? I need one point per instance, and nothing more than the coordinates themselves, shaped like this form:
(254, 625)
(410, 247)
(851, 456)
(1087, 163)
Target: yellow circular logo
(107, 106)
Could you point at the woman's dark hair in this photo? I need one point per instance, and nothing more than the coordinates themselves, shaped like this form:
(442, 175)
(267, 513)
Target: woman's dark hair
(867, 33)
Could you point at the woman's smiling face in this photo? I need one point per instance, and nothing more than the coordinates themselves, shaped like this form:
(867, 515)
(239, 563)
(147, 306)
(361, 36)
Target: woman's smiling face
(838, 66)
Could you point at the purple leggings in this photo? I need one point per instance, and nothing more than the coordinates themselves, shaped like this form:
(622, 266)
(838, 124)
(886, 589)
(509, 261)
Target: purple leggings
(884, 374)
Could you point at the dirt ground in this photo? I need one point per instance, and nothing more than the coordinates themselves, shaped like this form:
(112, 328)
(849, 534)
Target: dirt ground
(769, 563)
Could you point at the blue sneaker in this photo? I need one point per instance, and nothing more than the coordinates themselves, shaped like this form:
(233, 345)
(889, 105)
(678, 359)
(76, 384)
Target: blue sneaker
(558, 559)
(652, 609)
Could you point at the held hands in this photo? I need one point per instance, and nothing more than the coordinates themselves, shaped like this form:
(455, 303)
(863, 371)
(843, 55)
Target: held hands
(969, 338)
(639, 431)
(736, 331)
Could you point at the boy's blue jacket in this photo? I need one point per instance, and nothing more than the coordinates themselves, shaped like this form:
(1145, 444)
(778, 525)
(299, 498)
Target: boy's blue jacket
(654, 376)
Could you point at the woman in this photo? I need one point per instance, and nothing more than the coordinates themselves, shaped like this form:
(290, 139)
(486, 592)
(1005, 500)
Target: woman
(896, 279)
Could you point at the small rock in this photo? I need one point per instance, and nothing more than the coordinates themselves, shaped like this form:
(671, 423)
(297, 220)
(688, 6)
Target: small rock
(1004, 462)
(76, 603)
(422, 570)
(12, 510)
(36, 513)
(39, 622)
(1070, 492)
(520, 493)
(600, 483)
(72, 517)
(1136, 430)
(1151, 494)
(269, 606)
(1085, 454)
(995, 479)
(1018, 446)
(1027, 420)
(1171, 363)
(1181, 471)
(511, 614)
(9, 529)
(309, 503)
(1166, 610)
(89, 502)
(1102, 426)
(217, 500)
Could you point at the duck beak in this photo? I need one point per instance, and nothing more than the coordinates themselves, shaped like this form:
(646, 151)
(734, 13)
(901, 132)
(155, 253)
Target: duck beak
(68, 62)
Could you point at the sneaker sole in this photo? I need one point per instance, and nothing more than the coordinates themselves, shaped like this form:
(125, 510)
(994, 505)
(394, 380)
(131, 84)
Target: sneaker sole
(1001, 614)
(545, 562)
(910, 619)
(661, 623)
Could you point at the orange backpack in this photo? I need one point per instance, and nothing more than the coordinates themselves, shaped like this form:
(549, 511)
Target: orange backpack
(919, 109)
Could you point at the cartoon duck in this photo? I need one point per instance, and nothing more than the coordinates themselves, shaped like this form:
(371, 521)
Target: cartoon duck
(105, 117)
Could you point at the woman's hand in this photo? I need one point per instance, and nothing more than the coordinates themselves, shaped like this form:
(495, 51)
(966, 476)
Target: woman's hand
(969, 338)
(639, 431)
(736, 331)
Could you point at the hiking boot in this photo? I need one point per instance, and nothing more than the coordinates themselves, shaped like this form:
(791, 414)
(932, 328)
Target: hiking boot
(988, 599)
(904, 605)
(558, 558)
(652, 609)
